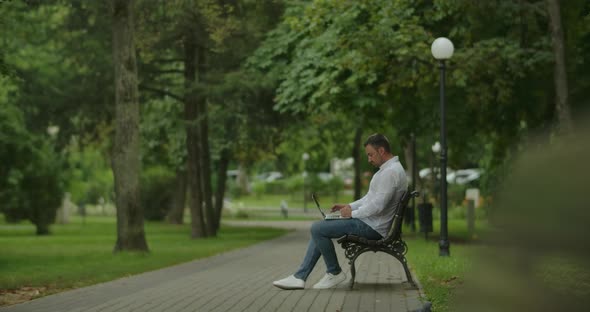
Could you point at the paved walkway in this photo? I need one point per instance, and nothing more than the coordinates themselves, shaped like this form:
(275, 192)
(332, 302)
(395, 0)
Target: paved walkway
(241, 280)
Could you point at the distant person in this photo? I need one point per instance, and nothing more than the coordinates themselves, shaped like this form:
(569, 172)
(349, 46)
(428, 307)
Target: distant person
(369, 217)
(284, 209)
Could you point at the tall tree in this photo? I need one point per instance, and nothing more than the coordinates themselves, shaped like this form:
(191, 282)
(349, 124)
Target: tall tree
(562, 108)
(194, 151)
(192, 52)
(125, 153)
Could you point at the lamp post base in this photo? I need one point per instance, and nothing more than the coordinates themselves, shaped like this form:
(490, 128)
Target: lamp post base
(444, 248)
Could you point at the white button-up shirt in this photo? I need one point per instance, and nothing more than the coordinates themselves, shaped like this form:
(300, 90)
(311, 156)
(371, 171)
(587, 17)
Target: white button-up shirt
(387, 186)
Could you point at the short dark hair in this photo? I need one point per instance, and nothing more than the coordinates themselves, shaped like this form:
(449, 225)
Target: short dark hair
(378, 140)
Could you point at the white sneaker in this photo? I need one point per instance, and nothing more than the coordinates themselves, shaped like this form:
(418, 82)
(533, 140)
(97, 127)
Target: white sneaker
(330, 280)
(290, 282)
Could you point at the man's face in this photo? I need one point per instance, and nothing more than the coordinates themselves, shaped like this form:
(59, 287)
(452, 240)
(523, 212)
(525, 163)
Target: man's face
(374, 155)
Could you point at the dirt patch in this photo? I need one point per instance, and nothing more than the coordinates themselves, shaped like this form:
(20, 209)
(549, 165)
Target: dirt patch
(23, 294)
(454, 280)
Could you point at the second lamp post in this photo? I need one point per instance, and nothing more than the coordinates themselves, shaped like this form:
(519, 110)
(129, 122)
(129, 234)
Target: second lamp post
(442, 49)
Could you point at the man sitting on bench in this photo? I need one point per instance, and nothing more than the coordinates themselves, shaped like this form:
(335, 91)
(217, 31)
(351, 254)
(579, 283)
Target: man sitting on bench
(371, 217)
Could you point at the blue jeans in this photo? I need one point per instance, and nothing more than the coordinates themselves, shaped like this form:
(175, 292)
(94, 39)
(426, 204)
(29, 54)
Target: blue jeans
(320, 244)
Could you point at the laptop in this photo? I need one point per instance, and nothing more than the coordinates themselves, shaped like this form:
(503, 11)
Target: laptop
(327, 216)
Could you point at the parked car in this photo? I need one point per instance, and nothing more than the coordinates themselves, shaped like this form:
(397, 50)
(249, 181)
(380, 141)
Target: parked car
(269, 176)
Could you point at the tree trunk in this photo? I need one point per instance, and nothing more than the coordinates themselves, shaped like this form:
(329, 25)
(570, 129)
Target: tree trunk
(176, 213)
(191, 113)
(356, 155)
(125, 158)
(205, 159)
(562, 109)
(221, 181)
(42, 228)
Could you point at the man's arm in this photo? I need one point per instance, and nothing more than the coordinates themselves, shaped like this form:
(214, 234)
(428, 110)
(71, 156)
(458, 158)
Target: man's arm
(356, 204)
(352, 206)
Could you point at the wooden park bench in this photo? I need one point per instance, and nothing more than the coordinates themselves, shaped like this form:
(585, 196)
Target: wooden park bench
(392, 244)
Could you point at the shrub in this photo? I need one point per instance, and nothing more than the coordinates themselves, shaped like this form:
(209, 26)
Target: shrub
(34, 188)
(294, 183)
(258, 188)
(89, 176)
(335, 185)
(233, 188)
(157, 192)
(242, 214)
(315, 184)
(277, 187)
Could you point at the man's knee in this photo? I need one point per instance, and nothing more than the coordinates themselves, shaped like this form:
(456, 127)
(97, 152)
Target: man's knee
(316, 228)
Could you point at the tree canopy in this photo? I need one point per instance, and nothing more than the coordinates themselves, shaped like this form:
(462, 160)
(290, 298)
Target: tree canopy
(254, 84)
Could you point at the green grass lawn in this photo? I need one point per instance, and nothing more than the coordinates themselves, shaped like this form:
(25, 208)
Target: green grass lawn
(440, 276)
(79, 254)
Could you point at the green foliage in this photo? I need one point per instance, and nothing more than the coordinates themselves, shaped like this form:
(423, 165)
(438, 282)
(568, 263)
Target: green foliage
(233, 189)
(53, 65)
(59, 54)
(157, 191)
(259, 188)
(314, 183)
(335, 186)
(34, 187)
(294, 184)
(90, 178)
(340, 53)
(371, 60)
(31, 177)
(242, 214)
(278, 186)
(163, 139)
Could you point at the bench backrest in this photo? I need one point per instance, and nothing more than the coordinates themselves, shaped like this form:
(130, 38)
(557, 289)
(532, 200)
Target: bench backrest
(396, 225)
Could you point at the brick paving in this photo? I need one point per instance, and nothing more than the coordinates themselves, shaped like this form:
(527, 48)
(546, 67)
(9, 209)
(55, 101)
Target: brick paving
(241, 280)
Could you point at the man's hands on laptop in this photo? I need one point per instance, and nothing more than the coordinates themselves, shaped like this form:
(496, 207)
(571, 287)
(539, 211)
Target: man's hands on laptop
(345, 210)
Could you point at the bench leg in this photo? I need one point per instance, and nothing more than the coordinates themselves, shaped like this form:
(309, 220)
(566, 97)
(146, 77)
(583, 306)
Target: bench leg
(353, 272)
(408, 274)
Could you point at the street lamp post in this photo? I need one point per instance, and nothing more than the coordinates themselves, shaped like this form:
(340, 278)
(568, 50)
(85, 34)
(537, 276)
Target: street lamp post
(305, 157)
(442, 49)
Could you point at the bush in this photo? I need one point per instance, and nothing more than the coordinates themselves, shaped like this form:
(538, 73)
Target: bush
(335, 185)
(277, 187)
(233, 188)
(315, 184)
(157, 192)
(242, 214)
(258, 188)
(34, 188)
(89, 176)
(31, 173)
